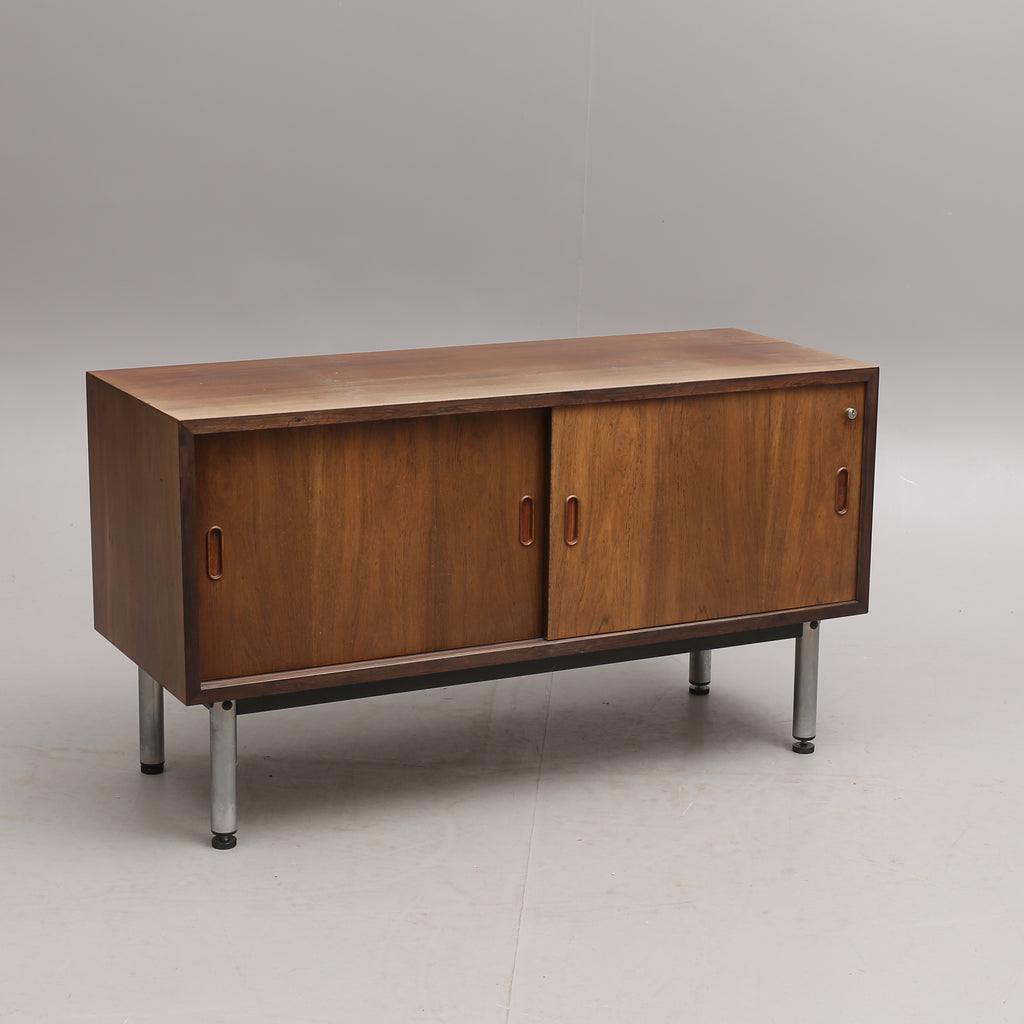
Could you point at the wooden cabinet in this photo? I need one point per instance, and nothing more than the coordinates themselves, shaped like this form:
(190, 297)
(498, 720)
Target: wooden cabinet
(289, 531)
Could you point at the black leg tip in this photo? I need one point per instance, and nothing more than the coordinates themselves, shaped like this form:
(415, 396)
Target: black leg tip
(151, 769)
(700, 689)
(803, 747)
(223, 840)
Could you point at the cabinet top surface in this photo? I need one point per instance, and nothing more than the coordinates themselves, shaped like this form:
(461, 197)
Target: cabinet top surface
(210, 397)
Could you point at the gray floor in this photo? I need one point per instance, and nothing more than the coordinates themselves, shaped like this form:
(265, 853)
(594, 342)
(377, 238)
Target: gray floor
(596, 846)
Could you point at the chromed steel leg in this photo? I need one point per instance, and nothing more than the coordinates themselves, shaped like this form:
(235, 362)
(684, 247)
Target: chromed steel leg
(700, 673)
(223, 773)
(805, 688)
(151, 724)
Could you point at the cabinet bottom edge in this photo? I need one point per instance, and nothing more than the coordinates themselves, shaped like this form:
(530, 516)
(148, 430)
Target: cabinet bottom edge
(448, 668)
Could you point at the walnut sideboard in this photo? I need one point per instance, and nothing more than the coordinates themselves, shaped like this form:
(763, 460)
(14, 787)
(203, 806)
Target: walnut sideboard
(284, 532)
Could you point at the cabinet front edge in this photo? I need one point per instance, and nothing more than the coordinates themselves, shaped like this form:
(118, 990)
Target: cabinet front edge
(532, 400)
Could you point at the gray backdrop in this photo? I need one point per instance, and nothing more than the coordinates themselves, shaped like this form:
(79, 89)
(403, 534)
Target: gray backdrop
(196, 181)
(212, 180)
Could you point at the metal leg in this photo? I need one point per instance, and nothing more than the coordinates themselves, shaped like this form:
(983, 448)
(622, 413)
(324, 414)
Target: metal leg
(805, 689)
(700, 673)
(223, 772)
(151, 724)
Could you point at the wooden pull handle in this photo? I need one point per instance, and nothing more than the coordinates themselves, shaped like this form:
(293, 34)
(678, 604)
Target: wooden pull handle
(215, 552)
(572, 520)
(526, 521)
(842, 491)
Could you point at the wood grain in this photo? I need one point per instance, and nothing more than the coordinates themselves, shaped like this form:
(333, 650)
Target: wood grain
(270, 393)
(703, 508)
(136, 532)
(368, 540)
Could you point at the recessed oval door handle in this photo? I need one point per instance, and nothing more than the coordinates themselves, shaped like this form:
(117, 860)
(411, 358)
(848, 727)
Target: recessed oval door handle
(842, 491)
(526, 521)
(572, 520)
(215, 552)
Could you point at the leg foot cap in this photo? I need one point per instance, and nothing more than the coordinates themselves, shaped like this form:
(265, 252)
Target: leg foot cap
(151, 769)
(700, 689)
(223, 840)
(803, 747)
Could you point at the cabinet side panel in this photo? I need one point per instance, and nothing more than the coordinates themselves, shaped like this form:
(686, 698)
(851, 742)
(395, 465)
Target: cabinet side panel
(867, 491)
(136, 532)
